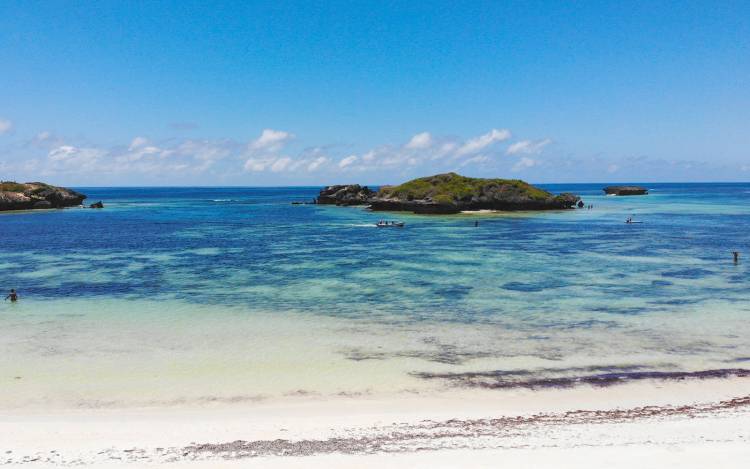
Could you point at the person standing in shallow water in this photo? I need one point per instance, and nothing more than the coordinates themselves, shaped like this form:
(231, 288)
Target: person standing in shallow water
(736, 257)
(13, 296)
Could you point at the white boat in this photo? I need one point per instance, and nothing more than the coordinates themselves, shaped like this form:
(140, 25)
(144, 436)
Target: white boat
(389, 224)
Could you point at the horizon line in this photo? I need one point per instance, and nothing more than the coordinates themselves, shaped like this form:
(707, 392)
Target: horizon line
(380, 185)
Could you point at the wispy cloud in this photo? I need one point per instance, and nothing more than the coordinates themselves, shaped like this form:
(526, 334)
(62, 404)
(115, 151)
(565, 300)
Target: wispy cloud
(137, 142)
(280, 164)
(479, 159)
(273, 156)
(420, 141)
(69, 157)
(348, 161)
(317, 163)
(271, 140)
(524, 163)
(43, 136)
(426, 150)
(477, 144)
(256, 165)
(527, 147)
(264, 155)
(5, 126)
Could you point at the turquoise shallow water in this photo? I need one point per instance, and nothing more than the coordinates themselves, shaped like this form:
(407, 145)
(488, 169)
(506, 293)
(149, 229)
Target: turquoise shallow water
(231, 294)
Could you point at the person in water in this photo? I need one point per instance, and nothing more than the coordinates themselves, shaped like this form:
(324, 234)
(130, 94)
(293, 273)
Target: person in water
(736, 257)
(13, 296)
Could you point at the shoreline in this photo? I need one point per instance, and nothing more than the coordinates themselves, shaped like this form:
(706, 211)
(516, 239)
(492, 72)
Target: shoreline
(420, 428)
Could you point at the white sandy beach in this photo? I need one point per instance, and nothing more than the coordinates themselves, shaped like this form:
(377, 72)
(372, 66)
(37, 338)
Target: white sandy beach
(690, 423)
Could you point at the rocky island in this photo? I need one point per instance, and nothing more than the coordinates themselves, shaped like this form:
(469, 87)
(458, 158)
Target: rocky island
(36, 195)
(351, 194)
(450, 193)
(625, 190)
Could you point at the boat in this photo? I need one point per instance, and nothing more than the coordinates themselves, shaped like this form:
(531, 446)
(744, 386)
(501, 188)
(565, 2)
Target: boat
(390, 224)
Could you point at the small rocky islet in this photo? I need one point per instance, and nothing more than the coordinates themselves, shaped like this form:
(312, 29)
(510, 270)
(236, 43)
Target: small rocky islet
(449, 193)
(37, 195)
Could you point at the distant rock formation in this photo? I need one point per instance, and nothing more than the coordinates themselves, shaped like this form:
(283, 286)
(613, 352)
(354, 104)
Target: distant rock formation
(351, 194)
(450, 193)
(36, 195)
(625, 190)
(97, 205)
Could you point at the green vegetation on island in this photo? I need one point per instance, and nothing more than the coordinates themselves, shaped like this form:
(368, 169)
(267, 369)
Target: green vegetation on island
(453, 188)
(450, 193)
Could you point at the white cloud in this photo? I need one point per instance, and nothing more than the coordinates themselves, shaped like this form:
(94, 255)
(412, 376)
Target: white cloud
(445, 149)
(369, 156)
(204, 150)
(317, 163)
(258, 164)
(5, 126)
(347, 161)
(224, 160)
(483, 141)
(420, 141)
(271, 140)
(280, 164)
(194, 157)
(262, 152)
(138, 142)
(69, 157)
(613, 168)
(62, 153)
(135, 154)
(44, 140)
(524, 163)
(528, 147)
(476, 160)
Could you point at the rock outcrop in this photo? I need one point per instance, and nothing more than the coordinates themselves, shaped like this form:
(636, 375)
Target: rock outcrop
(453, 193)
(625, 190)
(36, 195)
(351, 194)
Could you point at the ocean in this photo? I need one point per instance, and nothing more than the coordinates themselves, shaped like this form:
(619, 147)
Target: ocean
(179, 296)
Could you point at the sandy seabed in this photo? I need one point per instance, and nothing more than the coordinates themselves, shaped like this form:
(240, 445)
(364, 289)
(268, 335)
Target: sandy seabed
(691, 423)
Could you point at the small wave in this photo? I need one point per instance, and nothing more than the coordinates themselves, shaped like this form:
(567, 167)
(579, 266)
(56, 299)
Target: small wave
(223, 200)
(478, 212)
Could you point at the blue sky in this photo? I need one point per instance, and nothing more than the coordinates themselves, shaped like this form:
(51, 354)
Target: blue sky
(279, 93)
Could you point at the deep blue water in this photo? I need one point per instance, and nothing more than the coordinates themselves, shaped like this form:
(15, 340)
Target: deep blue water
(223, 245)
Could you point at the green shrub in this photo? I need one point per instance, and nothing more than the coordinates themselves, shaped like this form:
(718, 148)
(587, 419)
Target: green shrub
(450, 187)
(11, 186)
